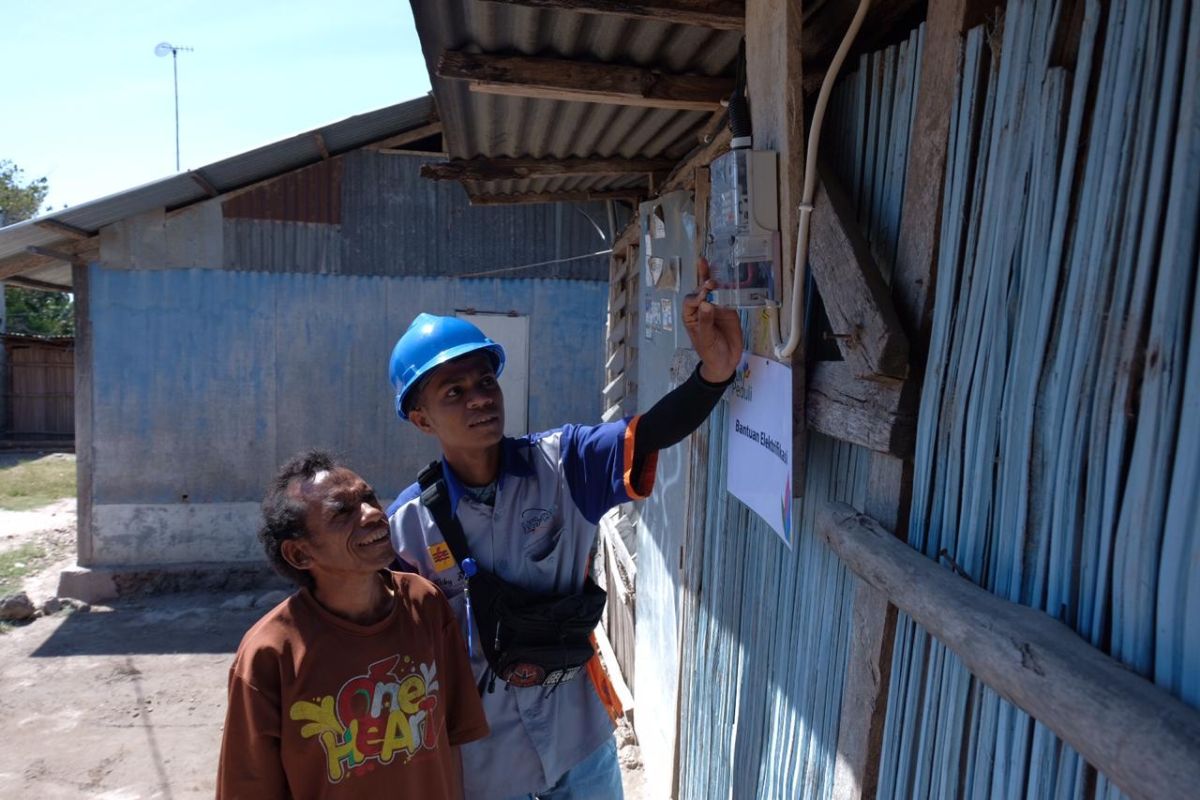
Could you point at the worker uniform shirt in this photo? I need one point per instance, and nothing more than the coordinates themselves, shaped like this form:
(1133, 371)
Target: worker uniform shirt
(539, 534)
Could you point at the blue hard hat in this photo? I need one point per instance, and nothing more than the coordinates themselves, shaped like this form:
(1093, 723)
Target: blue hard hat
(429, 342)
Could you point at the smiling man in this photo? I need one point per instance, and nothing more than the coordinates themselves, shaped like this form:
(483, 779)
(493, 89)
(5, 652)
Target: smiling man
(358, 684)
(506, 526)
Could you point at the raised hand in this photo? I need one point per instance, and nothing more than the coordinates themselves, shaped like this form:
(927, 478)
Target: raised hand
(716, 332)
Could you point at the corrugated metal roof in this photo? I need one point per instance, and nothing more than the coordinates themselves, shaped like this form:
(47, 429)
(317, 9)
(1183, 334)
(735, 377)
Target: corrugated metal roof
(224, 176)
(490, 125)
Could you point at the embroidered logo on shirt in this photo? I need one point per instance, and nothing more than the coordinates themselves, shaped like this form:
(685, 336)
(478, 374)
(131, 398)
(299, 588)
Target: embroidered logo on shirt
(374, 717)
(533, 519)
(442, 557)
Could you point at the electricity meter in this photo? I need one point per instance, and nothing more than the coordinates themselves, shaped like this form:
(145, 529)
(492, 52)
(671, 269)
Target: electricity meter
(742, 248)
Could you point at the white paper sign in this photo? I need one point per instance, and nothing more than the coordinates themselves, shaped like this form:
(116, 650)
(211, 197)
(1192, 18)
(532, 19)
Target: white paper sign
(760, 441)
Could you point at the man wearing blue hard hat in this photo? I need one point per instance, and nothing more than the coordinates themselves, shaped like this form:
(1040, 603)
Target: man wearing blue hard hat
(506, 527)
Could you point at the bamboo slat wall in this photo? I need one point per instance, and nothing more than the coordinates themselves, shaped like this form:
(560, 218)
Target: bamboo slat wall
(40, 390)
(766, 631)
(1056, 461)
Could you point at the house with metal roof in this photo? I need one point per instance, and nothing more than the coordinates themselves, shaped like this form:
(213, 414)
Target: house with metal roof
(994, 535)
(231, 316)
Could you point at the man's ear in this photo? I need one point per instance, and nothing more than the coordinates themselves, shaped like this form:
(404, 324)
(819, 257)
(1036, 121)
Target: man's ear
(295, 552)
(419, 418)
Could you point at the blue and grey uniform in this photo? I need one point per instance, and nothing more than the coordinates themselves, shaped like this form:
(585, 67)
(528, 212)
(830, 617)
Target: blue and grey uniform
(538, 534)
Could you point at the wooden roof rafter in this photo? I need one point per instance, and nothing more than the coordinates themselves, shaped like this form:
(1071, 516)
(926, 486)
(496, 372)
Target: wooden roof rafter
(583, 81)
(632, 195)
(729, 15)
(499, 169)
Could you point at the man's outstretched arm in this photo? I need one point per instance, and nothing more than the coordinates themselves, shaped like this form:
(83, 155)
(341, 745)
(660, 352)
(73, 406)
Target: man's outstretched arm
(716, 334)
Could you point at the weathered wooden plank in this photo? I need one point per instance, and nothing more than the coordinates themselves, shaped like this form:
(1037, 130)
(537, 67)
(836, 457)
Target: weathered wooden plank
(616, 361)
(33, 283)
(611, 413)
(857, 300)
(727, 15)
(408, 137)
(683, 176)
(500, 169)
(873, 632)
(25, 262)
(58, 226)
(921, 216)
(53, 254)
(1143, 739)
(627, 195)
(583, 81)
(322, 148)
(204, 183)
(774, 75)
(876, 413)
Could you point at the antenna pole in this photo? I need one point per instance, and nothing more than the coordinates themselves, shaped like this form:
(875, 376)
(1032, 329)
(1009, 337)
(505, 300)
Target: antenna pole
(175, 70)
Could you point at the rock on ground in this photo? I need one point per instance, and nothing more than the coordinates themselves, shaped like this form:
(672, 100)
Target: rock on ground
(17, 608)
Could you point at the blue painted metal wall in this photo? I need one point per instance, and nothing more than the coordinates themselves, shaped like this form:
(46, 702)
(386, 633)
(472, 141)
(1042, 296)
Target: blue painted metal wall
(767, 629)
(1057, 460)
(205, 380)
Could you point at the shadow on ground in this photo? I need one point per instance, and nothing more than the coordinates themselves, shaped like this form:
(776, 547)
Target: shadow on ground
(155, 625)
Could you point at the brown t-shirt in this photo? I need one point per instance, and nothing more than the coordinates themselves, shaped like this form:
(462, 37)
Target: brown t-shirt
(321, 707)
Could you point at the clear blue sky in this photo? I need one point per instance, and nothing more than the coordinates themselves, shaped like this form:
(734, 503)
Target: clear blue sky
(86, 103)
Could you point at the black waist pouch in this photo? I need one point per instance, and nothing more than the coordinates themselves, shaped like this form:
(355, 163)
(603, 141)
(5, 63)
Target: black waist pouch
(528, 638)
(532, 639)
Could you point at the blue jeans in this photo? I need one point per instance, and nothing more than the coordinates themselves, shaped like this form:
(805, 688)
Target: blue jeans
(597, 777)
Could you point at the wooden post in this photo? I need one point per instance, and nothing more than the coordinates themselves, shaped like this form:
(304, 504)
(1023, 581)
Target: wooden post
(1146, 741)
(774, 75)
(889, 496)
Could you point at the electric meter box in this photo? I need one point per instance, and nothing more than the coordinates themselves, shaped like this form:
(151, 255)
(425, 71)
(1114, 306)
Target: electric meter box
(742, 247)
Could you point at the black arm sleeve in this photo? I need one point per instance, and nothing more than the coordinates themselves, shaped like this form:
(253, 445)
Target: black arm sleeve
(676, 415)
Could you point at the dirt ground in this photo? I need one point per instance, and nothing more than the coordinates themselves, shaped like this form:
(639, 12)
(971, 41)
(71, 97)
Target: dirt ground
(124, 702)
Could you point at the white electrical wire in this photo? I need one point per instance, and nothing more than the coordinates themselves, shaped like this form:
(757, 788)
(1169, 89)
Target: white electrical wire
(783, 352)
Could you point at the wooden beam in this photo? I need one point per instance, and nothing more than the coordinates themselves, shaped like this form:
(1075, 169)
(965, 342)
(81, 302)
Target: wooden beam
(628, 195)
(58, 226)
(22, 263)
(408, 137)
(725, 15)
(869, 662)
(876, 413)
(1141, 737)
(31, 283)
(583, 81)
(204, 183)
(684, 175)
(322, 148)
(501, 169)
(865, 692)
(915, 271)
(774, 79)
(56, 255)
(857, 300)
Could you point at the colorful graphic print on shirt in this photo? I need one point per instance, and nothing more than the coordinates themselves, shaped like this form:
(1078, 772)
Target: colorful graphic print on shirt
(390, 711)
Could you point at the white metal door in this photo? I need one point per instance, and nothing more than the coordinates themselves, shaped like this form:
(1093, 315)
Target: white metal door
(512, 333)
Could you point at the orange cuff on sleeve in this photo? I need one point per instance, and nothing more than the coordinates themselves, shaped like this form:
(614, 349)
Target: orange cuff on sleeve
(645, 479)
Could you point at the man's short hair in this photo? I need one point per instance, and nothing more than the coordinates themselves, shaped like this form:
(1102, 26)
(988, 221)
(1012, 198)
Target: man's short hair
(283, 514)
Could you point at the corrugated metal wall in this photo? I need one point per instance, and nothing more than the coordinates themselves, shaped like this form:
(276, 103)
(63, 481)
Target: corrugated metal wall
(767, 630)
(371, 213)
(205, 380)
(1057, 460)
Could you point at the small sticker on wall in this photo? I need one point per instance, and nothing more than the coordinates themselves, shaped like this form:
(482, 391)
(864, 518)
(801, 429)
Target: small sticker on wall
(668, 314)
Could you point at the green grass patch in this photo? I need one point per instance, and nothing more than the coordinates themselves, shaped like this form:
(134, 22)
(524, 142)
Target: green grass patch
(35, 483)
(15, 564)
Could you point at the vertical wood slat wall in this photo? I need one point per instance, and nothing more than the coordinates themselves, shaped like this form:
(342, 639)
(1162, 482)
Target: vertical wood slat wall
(618, 541)
(39, 389)
(1056, 457)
